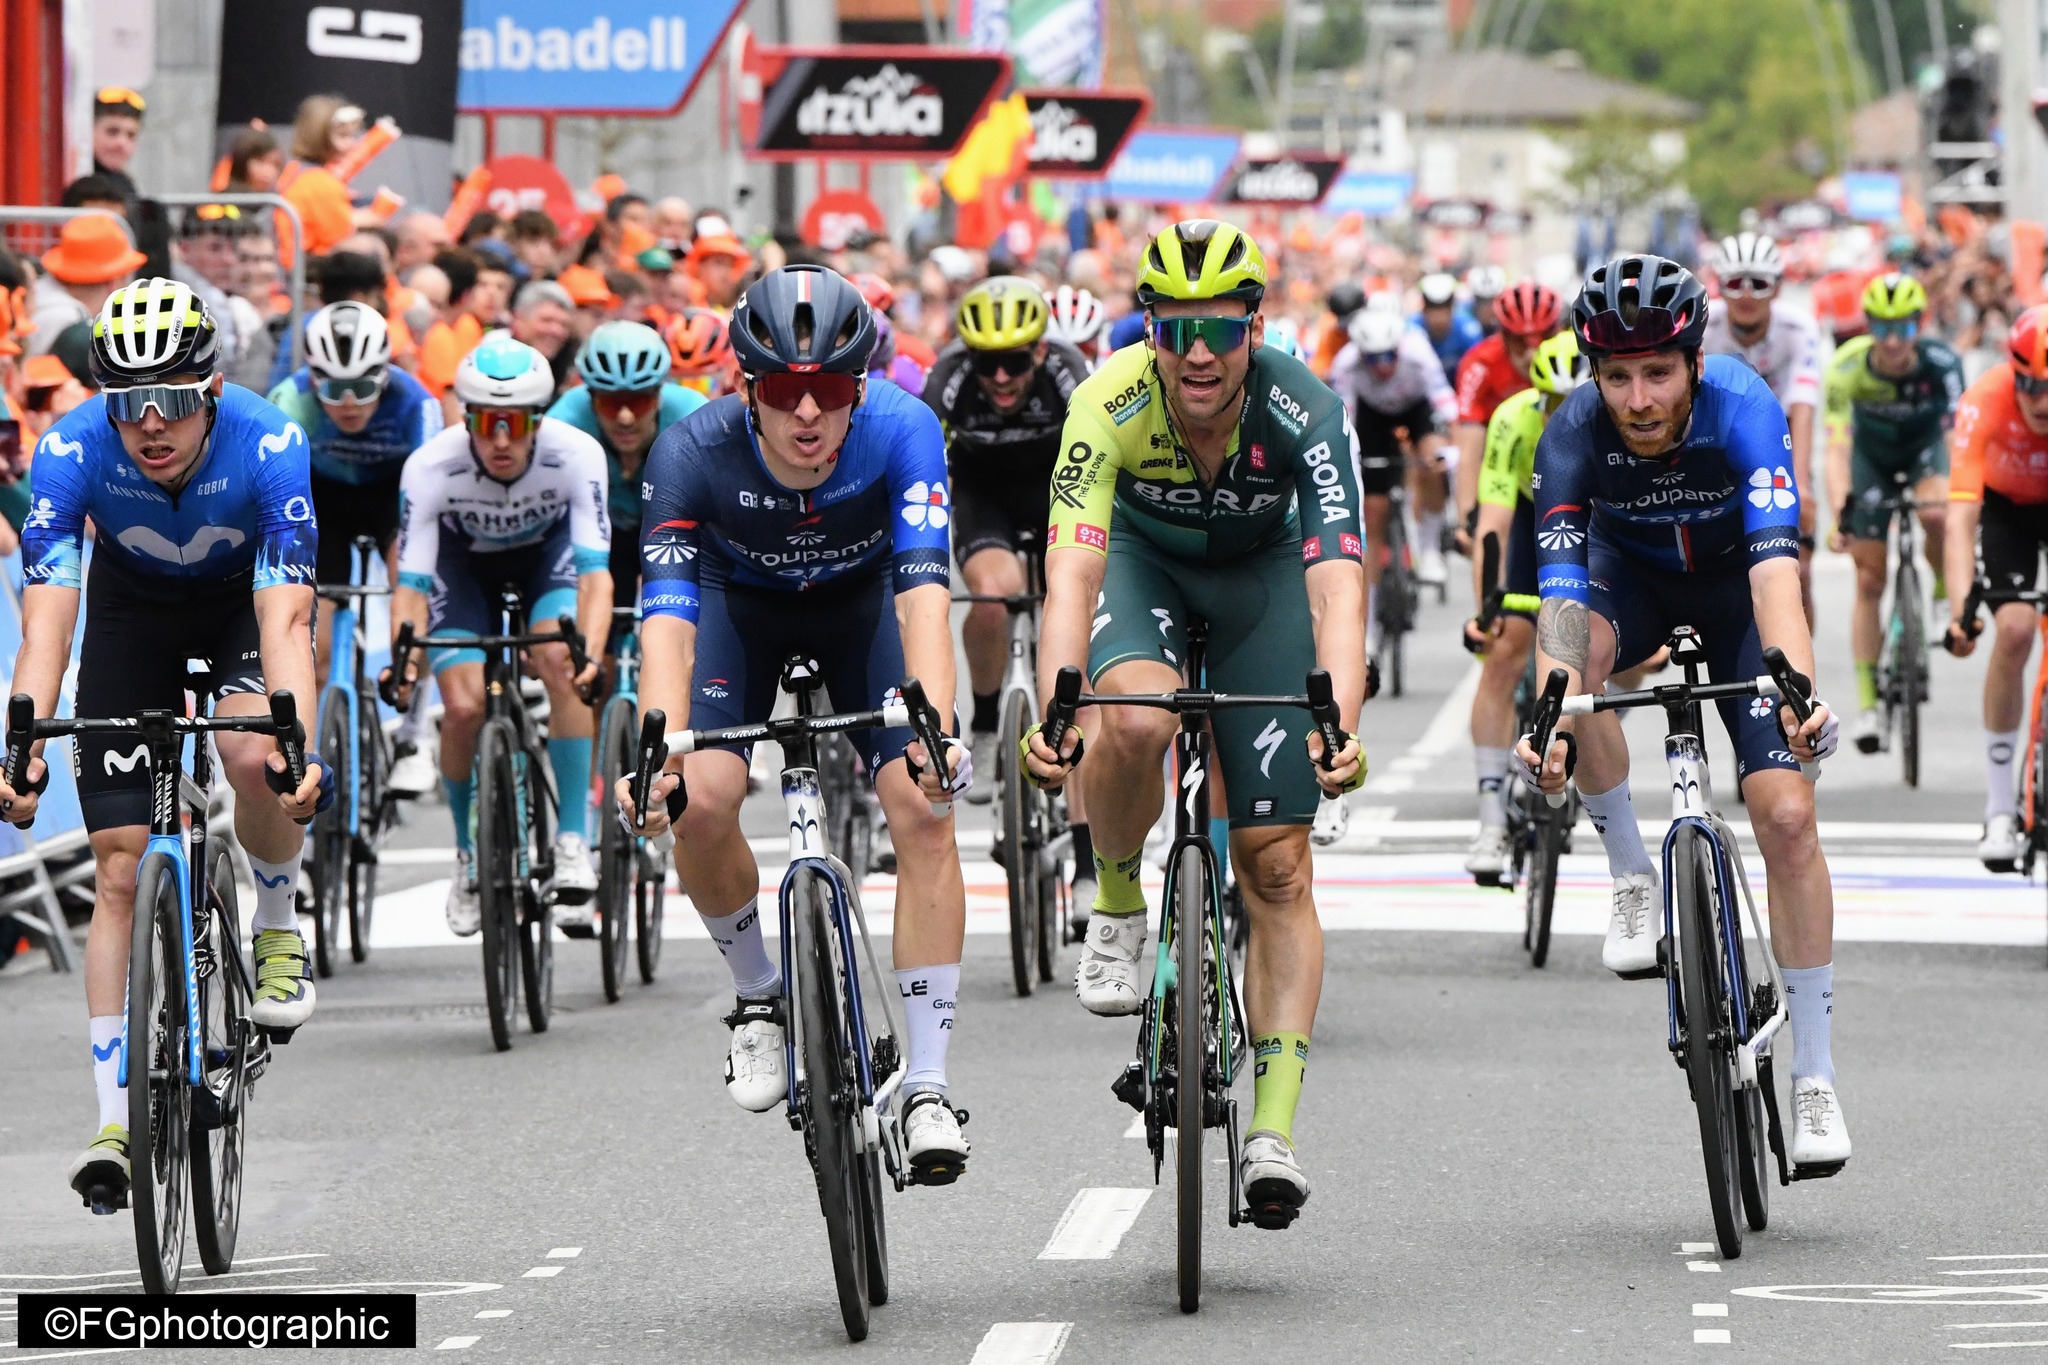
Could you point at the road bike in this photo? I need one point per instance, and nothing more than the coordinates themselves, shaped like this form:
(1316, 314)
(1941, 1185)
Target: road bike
(515, 814)
(631, 877)
(1398, 601)
(853, 813)
(1191, 1032)
(190, 1053)
(844, 1075)
(1902, 664)
(348, 835)
(1722, 1022)
(1032, 843)
(2032, 775)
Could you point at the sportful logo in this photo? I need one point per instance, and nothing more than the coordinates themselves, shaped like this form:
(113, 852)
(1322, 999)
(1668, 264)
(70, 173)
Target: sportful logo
(887, 104)
(925, 505)
(1773, 488)
(378, 35)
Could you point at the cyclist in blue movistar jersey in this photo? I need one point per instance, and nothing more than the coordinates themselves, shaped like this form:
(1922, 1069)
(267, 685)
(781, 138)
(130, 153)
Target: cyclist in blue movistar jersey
(203, 548)
(1665, 497)
(810, 513)
(627, 400)
(1452, 330)
(514, 497)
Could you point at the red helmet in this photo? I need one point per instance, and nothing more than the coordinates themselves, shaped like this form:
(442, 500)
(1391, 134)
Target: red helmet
(698, 344)
(2027, 342)
(1528, 309)
(880, 294)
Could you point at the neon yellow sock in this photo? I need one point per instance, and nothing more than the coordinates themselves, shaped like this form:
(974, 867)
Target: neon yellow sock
(1116, 883)
(1280, 1059)
(1866, 685)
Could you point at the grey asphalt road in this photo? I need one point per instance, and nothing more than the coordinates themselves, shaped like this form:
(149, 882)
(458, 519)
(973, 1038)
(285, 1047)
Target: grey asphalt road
(1505, 1162)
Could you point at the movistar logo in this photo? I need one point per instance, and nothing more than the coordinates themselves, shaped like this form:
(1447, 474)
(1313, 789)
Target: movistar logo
(114, 762)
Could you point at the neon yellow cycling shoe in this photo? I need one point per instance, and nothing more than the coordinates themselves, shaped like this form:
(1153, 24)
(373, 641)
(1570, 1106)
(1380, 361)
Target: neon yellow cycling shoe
(100, 1175)
(284, 981)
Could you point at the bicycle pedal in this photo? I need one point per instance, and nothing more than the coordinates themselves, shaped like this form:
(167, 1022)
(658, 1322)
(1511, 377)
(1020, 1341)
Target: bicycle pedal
(1491, 880)
(1129, 1086)
(1662, 969)
(1273, 1210)
(206, 1110)
(277, 1035)
(1818, 1170)
(2000, 865)
(577, 931)
(107, 1204)
(939, 1171)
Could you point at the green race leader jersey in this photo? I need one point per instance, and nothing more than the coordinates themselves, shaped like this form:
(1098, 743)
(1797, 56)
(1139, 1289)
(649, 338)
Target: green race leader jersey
(1288, 475)
(1507, 472)
(1893, 420)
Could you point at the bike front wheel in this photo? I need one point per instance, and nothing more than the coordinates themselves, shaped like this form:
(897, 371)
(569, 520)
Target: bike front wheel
(1020, 854)
(1547, 845)
(1910, 677)
(617, 857)
(159, 1099)
(650, 884)
(498, 880)
(373, 752)
(331, 835)
(219, 1135)
(1709, 1032)
(1192, 1024)
(829, 1102)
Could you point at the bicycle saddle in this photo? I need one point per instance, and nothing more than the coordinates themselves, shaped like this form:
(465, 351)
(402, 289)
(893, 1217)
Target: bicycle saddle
(1686, 646)
(800, 671)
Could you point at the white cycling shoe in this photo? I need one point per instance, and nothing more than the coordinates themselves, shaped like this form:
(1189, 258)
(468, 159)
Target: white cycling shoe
(1630, 951)
(1820, 1135)
(981, 751)
(932, 1139)
(465, 917)
(1869, 731)
(1430, 567)
(1270, 1176)
(1106, 978)
(1333, 821)
(1999, 849)
(1487, 859)
(756, 1072)
(575, 880)
(412, 771)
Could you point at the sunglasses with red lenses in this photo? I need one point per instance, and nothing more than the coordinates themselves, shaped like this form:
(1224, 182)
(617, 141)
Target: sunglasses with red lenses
(624, 407)
(785, 392)
(511, 423)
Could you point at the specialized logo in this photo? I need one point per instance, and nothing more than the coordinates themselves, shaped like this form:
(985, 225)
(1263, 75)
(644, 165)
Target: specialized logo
(126, 763)
(1268, 743)
(925, 505)
(379, 35)
(1564, 535)
(1772, 489)
(147, 540)
(1165, 619)
(890, 103)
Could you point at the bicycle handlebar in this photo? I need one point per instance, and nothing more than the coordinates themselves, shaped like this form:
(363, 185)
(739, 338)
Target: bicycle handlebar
(565, 633)
(1318, 699)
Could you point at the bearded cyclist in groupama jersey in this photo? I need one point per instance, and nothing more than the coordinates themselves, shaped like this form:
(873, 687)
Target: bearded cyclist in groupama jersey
(204, 548)
(1663, 498)
(1200, 474)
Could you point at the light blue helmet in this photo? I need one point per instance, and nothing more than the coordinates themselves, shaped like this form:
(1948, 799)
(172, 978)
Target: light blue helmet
(623, 357)
(500, 372)
(1282, 335)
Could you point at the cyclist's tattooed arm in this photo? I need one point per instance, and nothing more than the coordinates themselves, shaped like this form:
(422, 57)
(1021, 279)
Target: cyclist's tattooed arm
(1564, 632)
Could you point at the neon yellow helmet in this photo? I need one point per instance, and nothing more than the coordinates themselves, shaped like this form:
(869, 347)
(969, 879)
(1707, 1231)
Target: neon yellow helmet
(1558, 366)
(1893, 297)
(1202, 258)
(1002, 313)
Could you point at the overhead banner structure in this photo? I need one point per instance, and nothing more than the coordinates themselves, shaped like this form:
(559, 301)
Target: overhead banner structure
(872, 103)
(1079, 133)
(618, 57)
(397, 60)
(1170, 166)
(1297, 180)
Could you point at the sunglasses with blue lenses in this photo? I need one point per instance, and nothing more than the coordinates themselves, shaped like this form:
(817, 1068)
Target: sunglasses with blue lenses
(1901, 329)
(1220, 335)
(172, 401)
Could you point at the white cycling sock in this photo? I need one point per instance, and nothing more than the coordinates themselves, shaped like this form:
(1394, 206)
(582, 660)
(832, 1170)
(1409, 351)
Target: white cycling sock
(1614, 815)
(1810, 999)
(276, 907)
(414, 718)
(738, 937)
(2000, 798)
(1429, 531)
(106, 1068)
(930, 997)
(1491, 765)
(1372, 620)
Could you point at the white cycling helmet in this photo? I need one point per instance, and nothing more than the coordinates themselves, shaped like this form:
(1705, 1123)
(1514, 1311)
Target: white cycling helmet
(347, 340)
(1439, 289)
(503, 373)
(1378, 332)
(1283, 335)
(1486, 281)
(1077, 315)
(1749, 253)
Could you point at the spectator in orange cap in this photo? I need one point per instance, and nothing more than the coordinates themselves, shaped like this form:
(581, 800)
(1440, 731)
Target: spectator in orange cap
(91, 260)
(591, 295)
(720, 264)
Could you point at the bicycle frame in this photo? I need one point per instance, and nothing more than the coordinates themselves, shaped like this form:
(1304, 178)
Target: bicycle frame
(348, 669)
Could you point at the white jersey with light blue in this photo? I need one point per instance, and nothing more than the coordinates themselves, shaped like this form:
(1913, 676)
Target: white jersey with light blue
(445, 494)
(247, 507)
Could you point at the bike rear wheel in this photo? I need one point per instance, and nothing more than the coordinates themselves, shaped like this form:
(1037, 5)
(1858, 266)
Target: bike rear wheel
(1546, 846)
(159, 1099)
(1709, 1033)
(1020, 853)
(828, 1102)
(220, 1135)
(537, 912)
(648, 891)
(1192, 1023)
(618, 864)
(373, 751)
(497, 875)
(1909, 672)
(331, 836)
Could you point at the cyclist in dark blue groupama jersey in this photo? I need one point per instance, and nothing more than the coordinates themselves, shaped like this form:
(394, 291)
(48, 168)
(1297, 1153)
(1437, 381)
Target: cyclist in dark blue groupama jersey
(1665, 497)
(809, 513)
(204, 548)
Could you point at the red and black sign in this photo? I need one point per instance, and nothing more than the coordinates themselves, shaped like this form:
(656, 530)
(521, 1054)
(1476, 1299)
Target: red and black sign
(1299, 179)
(1456, 214)
(880, 103)
(1079, 132)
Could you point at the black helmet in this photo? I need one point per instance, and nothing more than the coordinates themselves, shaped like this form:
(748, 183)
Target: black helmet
(1639, 303)
(1346, 299)
(803, 318)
